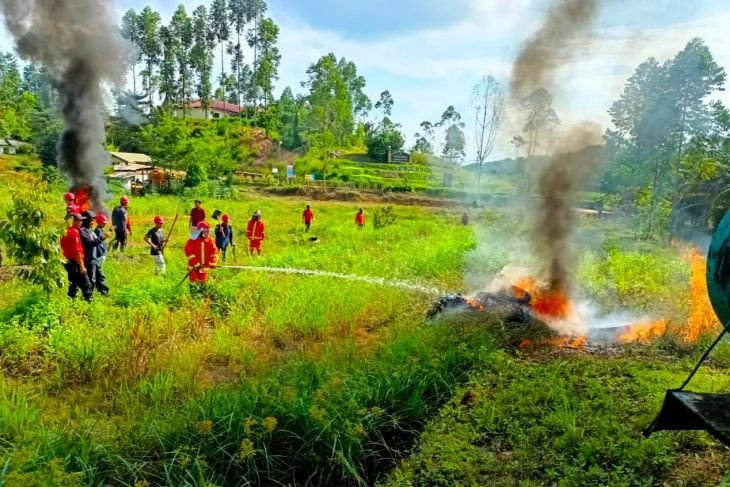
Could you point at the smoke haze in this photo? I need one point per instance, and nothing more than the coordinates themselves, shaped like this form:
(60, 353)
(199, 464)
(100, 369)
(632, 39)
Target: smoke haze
(79, 43)
(566, 27)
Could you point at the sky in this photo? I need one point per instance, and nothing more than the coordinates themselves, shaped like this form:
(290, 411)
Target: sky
(430, 53)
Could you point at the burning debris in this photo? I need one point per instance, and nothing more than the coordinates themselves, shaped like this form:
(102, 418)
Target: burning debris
(80, 56)
(514, 309)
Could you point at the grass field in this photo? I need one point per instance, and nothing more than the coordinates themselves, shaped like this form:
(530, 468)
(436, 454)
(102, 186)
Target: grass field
(308, 380)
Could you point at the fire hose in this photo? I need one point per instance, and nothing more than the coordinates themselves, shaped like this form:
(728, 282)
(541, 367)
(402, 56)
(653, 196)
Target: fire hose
(309, 272)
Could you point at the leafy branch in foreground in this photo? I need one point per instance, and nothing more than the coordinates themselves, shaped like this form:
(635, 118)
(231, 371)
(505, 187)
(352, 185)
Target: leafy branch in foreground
(32, 244)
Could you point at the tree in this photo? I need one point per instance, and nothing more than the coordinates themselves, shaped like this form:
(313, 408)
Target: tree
(16, 104)
(131, 32)
(168, 81)
(662, 125)
(181, 27)
(330, 103)
(385, 103)
(386, 136)
(288, 109)
(218, 24)
(202, 57)
(542, 121)
(454, 140)
(488, 103)
(255, 10)
(238, 17)
(266, 67)
(148, 26)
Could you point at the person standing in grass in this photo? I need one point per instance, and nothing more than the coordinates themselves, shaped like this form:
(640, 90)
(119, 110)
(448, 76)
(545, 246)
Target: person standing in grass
(122, 225)
(255, 233)
(103, 235)
(224, 235)
(307, 218)
(465, 219)
(92, 253)
(202, 254)
(360, 219)
(197, 215)
(155, 238)
(73, 251)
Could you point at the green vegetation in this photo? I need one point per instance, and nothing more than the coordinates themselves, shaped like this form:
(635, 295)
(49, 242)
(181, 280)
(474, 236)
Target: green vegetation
(282, 378)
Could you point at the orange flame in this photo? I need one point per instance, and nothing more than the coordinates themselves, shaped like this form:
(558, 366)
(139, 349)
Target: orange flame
(702, 318)
(548, 304)
(642, 332)
(83, 198)
(475, 304)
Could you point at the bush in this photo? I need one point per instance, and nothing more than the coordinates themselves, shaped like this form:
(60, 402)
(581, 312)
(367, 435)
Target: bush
(384, 217)
(31, 243)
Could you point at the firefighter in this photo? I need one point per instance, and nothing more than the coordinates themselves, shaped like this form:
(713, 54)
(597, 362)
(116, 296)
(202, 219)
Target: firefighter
(121, 223)
(155, 238)
(71, 206)
(360, 219)
(202, 254)
(224, 235)
(92, 252)
(307, 218)
(73, 251)
(255, 233)
(197, 215)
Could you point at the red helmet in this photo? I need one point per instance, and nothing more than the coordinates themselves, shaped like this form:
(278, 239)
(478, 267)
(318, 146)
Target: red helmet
(226, 218)
(69, 197)
(159, 219)
(123, 200)
(203, 226)
(101, 219)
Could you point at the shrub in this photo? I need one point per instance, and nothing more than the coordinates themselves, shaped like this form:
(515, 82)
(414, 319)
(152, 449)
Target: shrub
(384, 217)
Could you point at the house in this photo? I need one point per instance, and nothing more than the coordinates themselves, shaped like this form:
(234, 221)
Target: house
(131, 168)
(10, 146)
(216, 109)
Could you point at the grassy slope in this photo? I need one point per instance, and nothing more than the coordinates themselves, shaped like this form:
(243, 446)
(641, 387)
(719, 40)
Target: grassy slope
(279, 378)
(566, 419)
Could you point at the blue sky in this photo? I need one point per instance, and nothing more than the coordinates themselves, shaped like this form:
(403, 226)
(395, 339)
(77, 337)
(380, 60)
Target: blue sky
(430, 53)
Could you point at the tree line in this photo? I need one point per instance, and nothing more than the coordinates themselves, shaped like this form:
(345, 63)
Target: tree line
(175, 61)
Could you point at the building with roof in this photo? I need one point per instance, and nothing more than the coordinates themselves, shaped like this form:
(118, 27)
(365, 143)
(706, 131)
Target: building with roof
(131, 168)
(10, 146)
(216, 109)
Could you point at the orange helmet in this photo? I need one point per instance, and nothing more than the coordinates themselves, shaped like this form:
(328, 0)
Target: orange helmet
(226, 218)
(69, 196)
(203, 226)
(101, 219)
(159, 219)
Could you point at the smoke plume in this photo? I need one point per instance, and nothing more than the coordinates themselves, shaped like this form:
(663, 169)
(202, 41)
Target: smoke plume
(79, 43)
(566, 28)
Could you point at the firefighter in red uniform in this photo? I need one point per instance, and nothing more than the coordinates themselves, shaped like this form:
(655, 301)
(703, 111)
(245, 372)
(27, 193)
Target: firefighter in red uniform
(73, 251)
(71, 206)
(202, 253)
(307, 218)
(360, 218)
(255, 233)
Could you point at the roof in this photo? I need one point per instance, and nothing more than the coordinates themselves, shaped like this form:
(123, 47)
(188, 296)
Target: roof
(132, 157)
(131, 167)
(218, 105)
(12, 143)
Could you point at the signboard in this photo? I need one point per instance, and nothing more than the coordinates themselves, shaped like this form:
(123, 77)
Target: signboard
(400, 156)
(274, 170)
(290, 171)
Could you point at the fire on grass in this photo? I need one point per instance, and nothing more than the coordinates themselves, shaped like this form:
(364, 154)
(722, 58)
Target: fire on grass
(554, 307)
